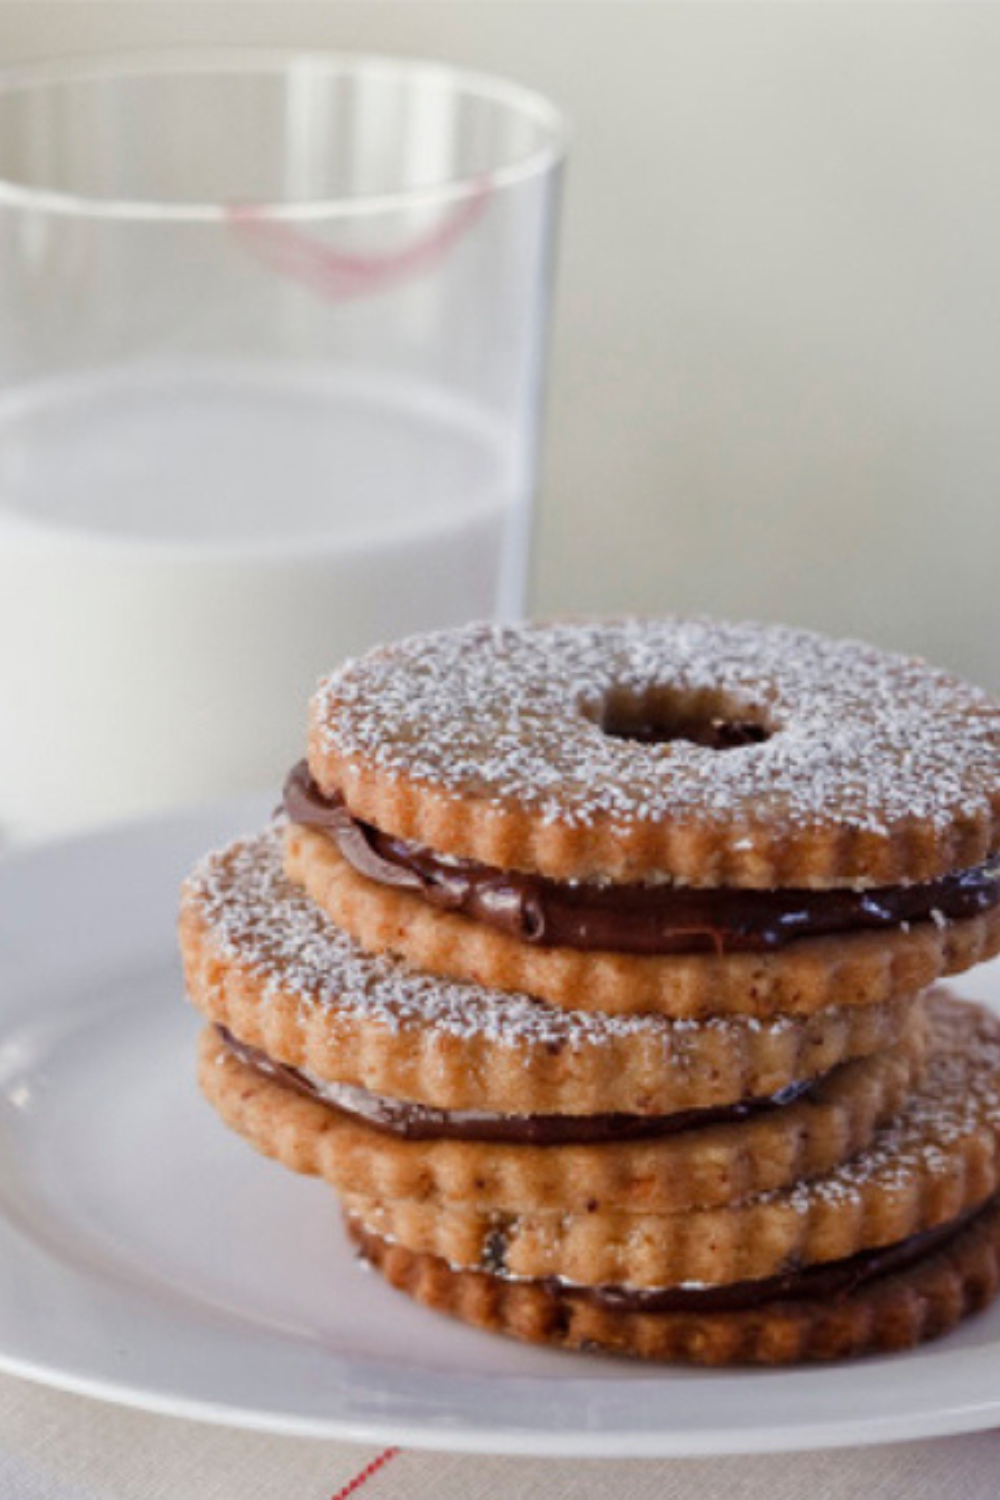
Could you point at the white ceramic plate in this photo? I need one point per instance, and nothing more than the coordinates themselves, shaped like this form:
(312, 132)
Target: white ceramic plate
(149, 1257)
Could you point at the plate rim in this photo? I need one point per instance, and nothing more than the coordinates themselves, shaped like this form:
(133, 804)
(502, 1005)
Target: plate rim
(513, 1442)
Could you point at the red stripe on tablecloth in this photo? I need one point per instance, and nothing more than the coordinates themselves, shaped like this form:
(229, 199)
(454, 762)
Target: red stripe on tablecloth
(378, 1462)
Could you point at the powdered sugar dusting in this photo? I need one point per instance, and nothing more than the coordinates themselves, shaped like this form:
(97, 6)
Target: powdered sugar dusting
(860, 739)
(958, 1100)
(263, 922)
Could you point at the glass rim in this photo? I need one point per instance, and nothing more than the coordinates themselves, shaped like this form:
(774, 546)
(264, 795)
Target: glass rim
(516, 97)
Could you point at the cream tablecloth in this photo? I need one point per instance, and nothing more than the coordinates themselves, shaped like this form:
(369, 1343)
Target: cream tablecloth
(59, 1447)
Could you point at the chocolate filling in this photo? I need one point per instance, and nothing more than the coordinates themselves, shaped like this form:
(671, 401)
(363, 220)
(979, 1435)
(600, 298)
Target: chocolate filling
(832, 1281)
(420, 1122)
(713, 734)
(641, 919)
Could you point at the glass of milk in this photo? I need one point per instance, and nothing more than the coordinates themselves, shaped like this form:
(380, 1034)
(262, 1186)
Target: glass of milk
(272, 342)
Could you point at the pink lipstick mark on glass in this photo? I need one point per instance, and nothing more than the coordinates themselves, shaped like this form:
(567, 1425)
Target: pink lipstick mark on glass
(340, 277)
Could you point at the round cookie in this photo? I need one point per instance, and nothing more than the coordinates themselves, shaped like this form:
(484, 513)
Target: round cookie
(706, 753)
(886, 1314)
(697, 1167)
(938, 1159)
(864, 968)
(262, 960)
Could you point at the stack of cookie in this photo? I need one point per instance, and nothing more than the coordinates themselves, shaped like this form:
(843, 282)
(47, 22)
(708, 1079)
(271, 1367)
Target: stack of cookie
(591, 967)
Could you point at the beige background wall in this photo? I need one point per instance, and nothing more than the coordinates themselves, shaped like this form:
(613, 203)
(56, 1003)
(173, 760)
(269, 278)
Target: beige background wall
(776, 387)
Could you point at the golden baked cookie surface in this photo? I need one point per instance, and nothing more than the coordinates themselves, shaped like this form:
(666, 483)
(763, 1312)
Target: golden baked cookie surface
(518, 747)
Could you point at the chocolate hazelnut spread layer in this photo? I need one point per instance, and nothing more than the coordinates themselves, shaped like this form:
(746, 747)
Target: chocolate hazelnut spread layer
(420, 1122)
(647, 919)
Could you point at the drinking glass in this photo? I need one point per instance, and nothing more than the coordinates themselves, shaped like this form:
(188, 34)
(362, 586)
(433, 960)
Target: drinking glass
(272, 344)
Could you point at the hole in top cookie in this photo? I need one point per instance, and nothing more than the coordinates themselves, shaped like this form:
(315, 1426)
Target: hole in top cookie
(659, 718)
